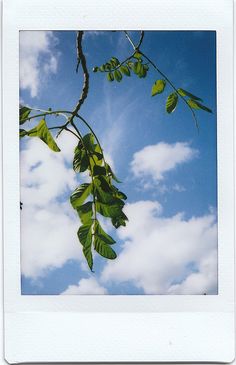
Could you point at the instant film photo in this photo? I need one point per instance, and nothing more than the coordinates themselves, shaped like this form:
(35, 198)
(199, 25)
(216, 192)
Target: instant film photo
(118, 181)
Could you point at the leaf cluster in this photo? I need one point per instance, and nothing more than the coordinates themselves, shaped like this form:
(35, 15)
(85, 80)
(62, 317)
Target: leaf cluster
(99, 196)
(172, 100)
(116, 70)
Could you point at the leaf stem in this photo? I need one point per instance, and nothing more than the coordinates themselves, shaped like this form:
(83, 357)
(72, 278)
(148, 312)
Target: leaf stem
(92, 177)
(46, 112)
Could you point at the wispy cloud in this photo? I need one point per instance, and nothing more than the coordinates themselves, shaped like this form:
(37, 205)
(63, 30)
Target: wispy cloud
(38, 59)
(166, 255)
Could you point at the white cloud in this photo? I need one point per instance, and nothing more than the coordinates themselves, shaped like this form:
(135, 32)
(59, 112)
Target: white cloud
(44, 174)
(156, 160)
(48, 225)
(85, 286)
(38, 59)
(166, 255)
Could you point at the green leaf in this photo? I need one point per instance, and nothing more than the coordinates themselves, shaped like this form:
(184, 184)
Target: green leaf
(109, 210)
(183, 92)
(110, 172)
(24, 114)
(80, 161)
(108, 66)
(42, 131)
(137, 67)
(137, 55)
(103, 248)
(85, 212)
(102, 68)
(158, 87)
(119, 220)
(99, 170)
(78, 197)
(171, 102)
(95, 69)
(102, 234)
(110, 76)
(125, 70)
(85, 238)
(23, 133)
(118, 75)
(88, 142)
(142, 72)
(196, 105)
(114, 61)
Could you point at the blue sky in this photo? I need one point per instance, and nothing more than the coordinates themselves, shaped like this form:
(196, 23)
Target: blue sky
(167, 168)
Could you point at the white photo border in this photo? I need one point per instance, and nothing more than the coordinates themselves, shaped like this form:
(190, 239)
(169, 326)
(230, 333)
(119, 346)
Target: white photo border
(146, 328)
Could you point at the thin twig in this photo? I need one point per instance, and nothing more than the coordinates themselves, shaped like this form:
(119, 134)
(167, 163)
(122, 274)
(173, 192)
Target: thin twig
(140, 40)
(66, 129)
(130, 40)
(57, 112)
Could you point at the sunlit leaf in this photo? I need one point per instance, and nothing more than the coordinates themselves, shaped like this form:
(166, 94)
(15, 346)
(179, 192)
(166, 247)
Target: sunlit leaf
(196, 105)
(102, 234)
(118, 75)
(137, 55)
(85, 238)
(171, 102)
(137, 67)
(183, 92)
(80, 194)
(125, 70)
(85, 212)
(115, 61)
(110, 76)
(24, 114)
(103, 248)
(42, 131)
(158, 87)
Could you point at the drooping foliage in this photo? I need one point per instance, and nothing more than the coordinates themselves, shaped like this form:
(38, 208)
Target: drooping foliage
(100, 197)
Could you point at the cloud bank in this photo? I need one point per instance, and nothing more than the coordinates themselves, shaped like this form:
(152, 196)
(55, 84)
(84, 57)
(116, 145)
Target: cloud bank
(166, 255)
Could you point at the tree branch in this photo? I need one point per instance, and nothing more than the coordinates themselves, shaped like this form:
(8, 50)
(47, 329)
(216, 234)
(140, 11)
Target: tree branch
(80, 60)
